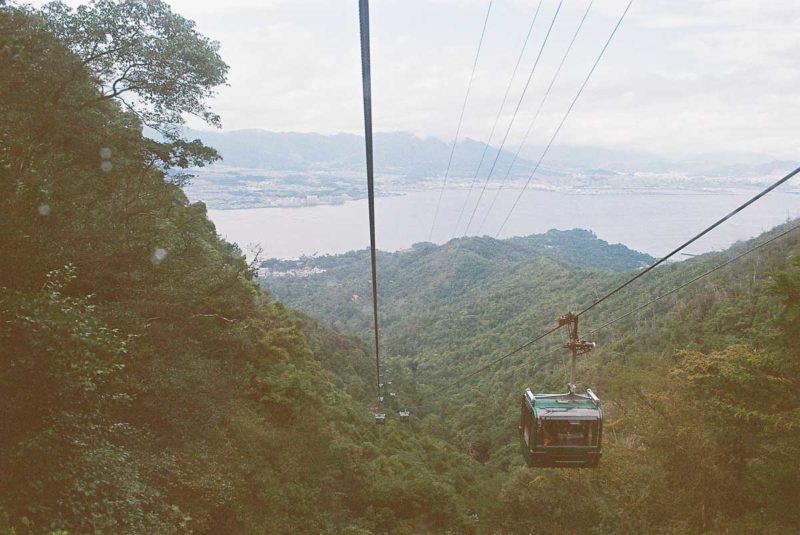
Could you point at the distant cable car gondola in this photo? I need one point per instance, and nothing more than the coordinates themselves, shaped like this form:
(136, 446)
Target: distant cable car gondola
(380, 418)
(563, 430)
(405, 416)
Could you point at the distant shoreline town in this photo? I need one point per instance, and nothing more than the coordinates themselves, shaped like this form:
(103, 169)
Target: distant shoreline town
(264, 169)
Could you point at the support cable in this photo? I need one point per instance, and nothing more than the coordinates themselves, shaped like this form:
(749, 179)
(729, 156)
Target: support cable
(504, 357)
(363, 15)
(499, 113)
(516, 110)
(654, 300)
(595, 330)
(692, 281)
(460, 120)
(535, 118)
(657, 263)
(564, 119)
(691, 241)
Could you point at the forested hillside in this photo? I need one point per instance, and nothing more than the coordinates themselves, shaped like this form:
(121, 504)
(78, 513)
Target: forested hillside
(148, 385)
(151, 386)
(461, 275)
(700, 388)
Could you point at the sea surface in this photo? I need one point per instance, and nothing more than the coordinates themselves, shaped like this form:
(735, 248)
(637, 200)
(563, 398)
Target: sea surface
(652, 222)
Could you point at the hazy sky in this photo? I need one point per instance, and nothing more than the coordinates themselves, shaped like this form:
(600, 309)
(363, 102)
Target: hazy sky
(680, 76)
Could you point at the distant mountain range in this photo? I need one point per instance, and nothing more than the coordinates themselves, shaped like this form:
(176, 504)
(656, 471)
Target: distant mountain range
(396, 153)
(263, 169)
(415, 157)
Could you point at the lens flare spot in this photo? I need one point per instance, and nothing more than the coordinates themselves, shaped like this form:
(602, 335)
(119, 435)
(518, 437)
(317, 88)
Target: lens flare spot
(105, 166)
(44, 209)
(105, 153)
(159, 255)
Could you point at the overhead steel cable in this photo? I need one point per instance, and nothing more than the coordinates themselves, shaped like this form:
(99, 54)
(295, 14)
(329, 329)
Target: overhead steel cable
(535, 118)
(366, 85)
(460, 121)
(516, 110)
(563, 120)
(499, 113)
(504, 357)
(644, 271)
(633, 311)
(695, 279)
(682, 286)
(690, 241)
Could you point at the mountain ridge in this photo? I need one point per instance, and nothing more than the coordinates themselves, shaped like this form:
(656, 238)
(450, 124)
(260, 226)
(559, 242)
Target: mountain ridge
(243, 148)
(261, 168)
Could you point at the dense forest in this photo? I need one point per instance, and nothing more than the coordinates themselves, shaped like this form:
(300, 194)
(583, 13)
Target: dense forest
(701, 388)
(152, 385)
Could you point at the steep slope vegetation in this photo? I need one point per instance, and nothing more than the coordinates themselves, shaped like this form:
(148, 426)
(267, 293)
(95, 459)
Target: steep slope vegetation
(148, 385)
(700, 388)
(466, 277)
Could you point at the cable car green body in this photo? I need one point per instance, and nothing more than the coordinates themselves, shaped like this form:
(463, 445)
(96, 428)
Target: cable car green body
(561, 430)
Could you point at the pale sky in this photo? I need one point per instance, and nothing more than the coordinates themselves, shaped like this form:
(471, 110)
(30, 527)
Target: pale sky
(680, 76)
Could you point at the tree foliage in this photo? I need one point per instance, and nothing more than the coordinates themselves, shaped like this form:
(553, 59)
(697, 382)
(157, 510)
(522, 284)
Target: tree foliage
(144, 55)
(151, 386)
(150, 60)
(700, 389)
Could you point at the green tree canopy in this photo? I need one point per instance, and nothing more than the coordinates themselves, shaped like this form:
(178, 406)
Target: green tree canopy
(144, 55)
(150, 60)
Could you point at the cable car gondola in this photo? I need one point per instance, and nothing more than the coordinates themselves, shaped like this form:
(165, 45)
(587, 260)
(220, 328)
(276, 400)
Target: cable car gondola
(380, 418)
(405, 416)
(561, 430)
